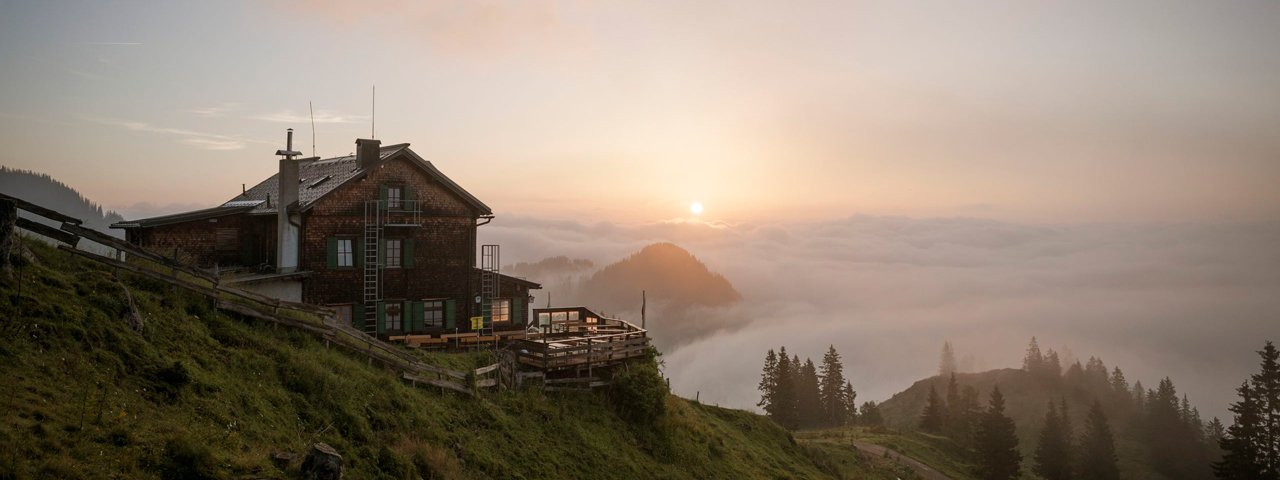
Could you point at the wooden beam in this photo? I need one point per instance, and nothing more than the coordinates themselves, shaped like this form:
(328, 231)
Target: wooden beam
(41, 211)
(42, 229)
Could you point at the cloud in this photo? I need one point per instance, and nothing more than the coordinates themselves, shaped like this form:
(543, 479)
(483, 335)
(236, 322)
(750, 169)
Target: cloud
(1190, 300)
(201, 140)
(215, 110)
(287, 116)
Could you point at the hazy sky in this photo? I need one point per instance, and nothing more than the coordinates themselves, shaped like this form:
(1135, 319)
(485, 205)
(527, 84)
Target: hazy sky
(1074, 111)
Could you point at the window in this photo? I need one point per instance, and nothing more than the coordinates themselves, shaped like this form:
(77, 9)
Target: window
(433, 313)
(344, 313)
(346, 256)
(395, 197)
(393, 253)
(501, 310)
(393, 316)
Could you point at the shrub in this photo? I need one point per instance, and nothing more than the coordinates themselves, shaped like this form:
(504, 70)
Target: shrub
(638, 392)
(185, 458)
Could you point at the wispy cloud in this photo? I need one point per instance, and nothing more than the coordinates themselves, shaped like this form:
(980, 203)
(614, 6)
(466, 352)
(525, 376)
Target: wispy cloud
(201, 140)
(287, 116)
(215, 110)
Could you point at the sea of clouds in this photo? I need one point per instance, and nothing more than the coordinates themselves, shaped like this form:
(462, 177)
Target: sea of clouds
(1191, 301)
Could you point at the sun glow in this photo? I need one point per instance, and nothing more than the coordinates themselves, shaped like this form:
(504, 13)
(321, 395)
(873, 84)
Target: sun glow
(695, 208)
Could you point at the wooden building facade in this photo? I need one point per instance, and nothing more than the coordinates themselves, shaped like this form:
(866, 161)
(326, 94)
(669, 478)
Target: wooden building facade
(382, 236)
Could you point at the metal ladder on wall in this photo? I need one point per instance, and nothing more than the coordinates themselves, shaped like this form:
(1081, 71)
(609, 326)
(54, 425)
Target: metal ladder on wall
(489, 261)
(373, 217)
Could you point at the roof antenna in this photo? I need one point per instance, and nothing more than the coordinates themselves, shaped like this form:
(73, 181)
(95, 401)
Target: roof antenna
(373, 119)
(313, 127)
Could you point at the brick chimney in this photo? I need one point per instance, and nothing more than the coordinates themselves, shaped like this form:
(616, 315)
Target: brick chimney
(367, 152)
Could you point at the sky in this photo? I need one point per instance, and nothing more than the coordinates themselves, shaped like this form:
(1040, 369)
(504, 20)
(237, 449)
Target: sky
(1033, 111)
(918, 171)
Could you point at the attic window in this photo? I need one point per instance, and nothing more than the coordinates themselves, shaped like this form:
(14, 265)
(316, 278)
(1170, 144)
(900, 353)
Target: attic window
(320, 181)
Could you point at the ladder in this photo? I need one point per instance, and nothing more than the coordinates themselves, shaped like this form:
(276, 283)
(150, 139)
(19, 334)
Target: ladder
(489, 261)
(373, 217)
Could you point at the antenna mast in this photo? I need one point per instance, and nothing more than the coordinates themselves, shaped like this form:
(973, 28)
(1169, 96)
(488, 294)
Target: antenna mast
(313, 127)
(373, 119)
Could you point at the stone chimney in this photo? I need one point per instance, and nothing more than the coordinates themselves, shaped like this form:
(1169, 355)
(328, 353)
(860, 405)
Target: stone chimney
(287, 194)
(367, 152)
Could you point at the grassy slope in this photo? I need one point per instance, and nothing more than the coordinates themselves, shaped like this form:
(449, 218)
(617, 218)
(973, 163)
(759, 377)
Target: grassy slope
(86, 396)
(1026, 400)
(939, 453)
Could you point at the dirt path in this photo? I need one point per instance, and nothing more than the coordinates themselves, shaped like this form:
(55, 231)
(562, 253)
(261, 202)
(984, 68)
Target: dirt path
(925, 472)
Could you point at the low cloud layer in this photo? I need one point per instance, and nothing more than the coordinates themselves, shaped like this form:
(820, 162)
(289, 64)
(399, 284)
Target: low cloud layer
(1189, 301)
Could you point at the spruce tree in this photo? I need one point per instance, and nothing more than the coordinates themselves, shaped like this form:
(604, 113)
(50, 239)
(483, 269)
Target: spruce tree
(849, 404)
(1033, 362)
(1053, 454)
(869, 414)
(1119, 386)
(834, 406)
(947, 364)
(1097, 447)
(996, 442)
(1251, 446)
(809, 395)
(934, 416)
(953, 416)
(1052, 365)
(768, 383)
(784, 395)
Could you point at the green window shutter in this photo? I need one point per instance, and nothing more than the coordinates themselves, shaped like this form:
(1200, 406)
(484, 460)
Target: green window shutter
(406, 252)
(450, 316)
(382, 253)
(331, 252)
(406, 193)
(419, 316)
(517, 310)
(382, 196)
(357, 315)
(357, 251)
(382, 317)
(406, 316)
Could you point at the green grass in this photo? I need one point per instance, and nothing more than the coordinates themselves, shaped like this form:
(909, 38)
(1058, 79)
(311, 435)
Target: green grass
(939, 453)
(200, 394)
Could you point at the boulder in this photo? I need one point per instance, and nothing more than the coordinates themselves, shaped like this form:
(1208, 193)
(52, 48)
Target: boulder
(322, 463)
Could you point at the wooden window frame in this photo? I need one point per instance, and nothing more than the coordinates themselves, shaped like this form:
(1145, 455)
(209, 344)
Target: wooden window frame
(351, 252)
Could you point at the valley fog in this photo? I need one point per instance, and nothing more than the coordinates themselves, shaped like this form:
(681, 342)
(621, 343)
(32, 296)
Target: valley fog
(1191, 301)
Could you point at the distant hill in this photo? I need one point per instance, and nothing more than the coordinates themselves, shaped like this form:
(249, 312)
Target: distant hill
(45, 191)
(686, 300)
(1026, 397)
(550, 269)
(671, 275)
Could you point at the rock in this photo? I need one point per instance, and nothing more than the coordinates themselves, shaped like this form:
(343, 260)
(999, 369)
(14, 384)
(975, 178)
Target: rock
(283, 459)
(322, 463)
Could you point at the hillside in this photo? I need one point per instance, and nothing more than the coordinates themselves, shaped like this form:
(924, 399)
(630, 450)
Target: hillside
(44, 190)
(1026, 397)
(196, 393)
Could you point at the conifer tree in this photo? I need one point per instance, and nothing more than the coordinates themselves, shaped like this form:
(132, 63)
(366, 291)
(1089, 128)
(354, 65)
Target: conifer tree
(953, 416)
(996, 442)
(1052, 365)
(809, 394)
(834, 406)
(947, 364)
(768, 383)
(784, 395)
(1033, 362)
(869, 414)
(1119, 385)
(934, 416)
(1097, 448)
(1053, 454)
(1251, 446)
(849, 399)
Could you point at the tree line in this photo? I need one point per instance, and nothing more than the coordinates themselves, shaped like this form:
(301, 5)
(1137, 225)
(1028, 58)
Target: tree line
(1178, 443)
(802, 395)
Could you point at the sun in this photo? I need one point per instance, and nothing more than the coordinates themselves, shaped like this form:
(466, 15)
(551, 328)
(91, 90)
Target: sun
(695, 208)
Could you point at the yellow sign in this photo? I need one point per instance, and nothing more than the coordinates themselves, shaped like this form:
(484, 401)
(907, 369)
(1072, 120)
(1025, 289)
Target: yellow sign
(477, 323)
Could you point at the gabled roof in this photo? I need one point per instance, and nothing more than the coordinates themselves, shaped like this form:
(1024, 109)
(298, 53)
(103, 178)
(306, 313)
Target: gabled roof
(477, 271)
(317, 178)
